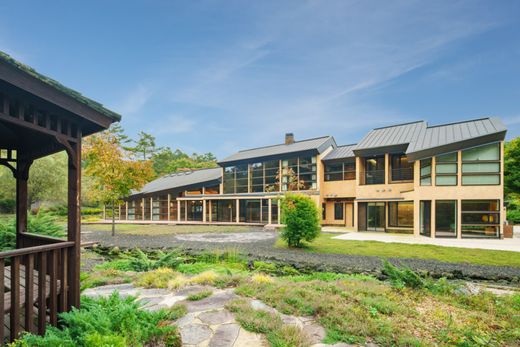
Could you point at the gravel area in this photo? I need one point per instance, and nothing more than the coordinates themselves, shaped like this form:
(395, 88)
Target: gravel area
(259, 245)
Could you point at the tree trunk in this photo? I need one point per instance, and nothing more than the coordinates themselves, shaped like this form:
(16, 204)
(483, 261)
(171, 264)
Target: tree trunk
(113, 219)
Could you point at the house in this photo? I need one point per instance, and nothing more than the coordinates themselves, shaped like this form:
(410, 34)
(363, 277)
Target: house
(434, 180)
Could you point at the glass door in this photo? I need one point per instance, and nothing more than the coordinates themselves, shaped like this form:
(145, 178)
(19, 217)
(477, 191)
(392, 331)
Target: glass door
(376, 216)
(425, 215)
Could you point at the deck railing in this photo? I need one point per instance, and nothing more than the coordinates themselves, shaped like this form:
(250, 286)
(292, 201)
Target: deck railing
(34, 288)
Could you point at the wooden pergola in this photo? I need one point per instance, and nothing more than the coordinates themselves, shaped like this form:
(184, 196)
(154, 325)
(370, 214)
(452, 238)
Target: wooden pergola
(39, 117)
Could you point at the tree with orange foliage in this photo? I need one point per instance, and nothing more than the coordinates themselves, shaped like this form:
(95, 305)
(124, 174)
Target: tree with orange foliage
(115, 175)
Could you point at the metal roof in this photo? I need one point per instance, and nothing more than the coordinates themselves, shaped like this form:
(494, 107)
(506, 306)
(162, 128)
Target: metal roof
(317, 145)
(444, 138)
(341, 152)
(181, 180)
(383, 139)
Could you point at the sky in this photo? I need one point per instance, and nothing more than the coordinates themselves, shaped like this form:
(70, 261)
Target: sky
(221, 76)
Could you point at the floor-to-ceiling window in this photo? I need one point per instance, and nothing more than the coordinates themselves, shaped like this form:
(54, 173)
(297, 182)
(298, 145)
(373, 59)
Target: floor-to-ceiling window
(402, 170)
(400, 214)
(274, 211)
(250, 210)
(426, 172)
(480, 218)
(446, 218)
(194, 210)
(223, 211)
(375, 212)
(425, 215)
(339, 211)
(340, 171)
(374, 170)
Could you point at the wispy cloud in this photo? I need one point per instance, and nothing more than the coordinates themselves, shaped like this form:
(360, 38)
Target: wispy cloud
(134, 101)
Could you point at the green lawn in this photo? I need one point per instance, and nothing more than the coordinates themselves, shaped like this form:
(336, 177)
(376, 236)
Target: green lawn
(159, 229)
(326, 244)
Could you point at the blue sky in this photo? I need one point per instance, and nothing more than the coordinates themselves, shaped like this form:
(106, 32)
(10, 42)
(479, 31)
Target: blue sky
(226, 75)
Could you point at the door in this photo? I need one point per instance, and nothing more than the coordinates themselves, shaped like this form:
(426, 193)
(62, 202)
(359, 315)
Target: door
(425, 217)
(376, 216)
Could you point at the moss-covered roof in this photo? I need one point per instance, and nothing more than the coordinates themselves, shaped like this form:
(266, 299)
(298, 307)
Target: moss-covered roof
(60, 87)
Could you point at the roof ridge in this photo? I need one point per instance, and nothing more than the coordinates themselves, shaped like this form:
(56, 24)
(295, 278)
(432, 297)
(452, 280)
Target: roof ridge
(398, 125)
(459, 122)
(351, 144)
(282, 144)
(178, 173)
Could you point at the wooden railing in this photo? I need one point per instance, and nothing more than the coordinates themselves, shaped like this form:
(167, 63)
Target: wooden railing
(35, 286)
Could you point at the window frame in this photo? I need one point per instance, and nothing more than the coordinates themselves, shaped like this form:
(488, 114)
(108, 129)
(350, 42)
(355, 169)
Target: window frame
(450, 174)
(336, 204)
(397, 203)
(469, 174)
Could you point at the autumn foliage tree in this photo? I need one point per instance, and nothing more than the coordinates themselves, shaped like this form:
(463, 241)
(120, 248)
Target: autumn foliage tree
(113, 171)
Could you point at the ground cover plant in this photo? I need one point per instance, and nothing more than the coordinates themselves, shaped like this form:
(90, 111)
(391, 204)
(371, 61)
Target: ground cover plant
(406, 309)
(326, 243)
(112, 321)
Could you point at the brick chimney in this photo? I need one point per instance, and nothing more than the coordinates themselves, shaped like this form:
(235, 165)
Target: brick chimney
(289, 138)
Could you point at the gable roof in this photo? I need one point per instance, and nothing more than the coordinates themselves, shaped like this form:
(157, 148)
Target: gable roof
(182, 180)
(311, 146)
(341, 152)
(6, 58)
(450, 137)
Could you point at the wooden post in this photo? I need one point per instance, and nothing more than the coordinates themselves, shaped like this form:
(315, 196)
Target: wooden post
(74, 222)
(169, 212)
(178, 210)
(22, 176)
(151, 209)
(237, 211)
(126, 210)
(204, 210)
(269, 206)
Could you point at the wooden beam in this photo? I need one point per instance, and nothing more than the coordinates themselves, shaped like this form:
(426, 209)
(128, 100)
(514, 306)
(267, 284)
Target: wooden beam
(32, 126)
(22, 176)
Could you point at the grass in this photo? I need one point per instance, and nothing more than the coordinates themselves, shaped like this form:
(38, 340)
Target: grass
(158, 229)
(200, 295)
(326, 244)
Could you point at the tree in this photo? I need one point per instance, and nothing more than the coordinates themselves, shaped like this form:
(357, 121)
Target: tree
(512, 179)
(301, 218)
(166, 161)
(114, 174)
(145, 147)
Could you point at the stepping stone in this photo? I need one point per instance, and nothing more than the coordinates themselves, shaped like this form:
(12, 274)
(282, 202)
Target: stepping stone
(187, 319)
(260, 306)
(225, 336)
(246, 338)
(216, 301)
(216, 317)
(292, 320)
(314, 332)
(193, 334)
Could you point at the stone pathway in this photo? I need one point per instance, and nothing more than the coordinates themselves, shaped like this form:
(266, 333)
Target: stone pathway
(208, 323)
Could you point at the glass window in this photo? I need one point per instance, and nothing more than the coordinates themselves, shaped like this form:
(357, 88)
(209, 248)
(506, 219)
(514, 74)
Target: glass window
(338, 211)
(426, 172)
(223, 211)
(323, 211)
(229, 180)
(241, 179)
(257, 177)
(250, 210)
(340, 171)
(480, 218)
(299, 174)
(402, 170)
(446, 218)
(272, 169)
(481, 165)
(374, 170)
(446, 169)
(400, 214)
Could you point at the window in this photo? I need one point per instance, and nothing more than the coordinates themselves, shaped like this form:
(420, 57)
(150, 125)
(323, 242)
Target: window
(257, 177)
(241, 178)
(271, 171)
(400, 214)
(229, 180)
(338, 211)
(480, 218)
(446, 169)
(340, 171)
(299, 173)
(402, 170)
(446, 218)
(426, 172)
(481, 165)
(374, 170)
(323, 211)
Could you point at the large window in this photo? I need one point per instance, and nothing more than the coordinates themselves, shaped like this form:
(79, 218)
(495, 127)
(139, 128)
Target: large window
(400, 214)
(446, 218)
(236, 179)
(272, 168)
(299, 174)
(338, 211)
(250, 211)
(340, 171)
(257, 177)
(223, 211)
(446, 169)
(426, 172)
(481, 165)
(480, 218)
(402, 170)
(374, 170)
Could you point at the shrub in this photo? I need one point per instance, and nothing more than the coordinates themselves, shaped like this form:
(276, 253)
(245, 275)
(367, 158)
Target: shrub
(261, 278)
(111, 321)
(199, 295)
(7, 205)
(301, 218)
(402, 277)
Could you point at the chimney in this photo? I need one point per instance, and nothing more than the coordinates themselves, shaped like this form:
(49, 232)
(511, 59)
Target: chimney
(289, 138)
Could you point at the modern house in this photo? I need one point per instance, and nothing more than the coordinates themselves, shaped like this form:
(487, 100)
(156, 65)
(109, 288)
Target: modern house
(438, 181)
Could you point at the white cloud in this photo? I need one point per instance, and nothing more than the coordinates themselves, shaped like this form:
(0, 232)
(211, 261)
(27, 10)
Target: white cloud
(134, 101)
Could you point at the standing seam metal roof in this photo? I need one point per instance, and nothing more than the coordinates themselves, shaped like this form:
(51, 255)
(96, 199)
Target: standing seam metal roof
(341, 152)
(391, 135)
(297, 146)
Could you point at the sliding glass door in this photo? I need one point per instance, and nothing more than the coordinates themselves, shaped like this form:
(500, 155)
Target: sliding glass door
(376, 216)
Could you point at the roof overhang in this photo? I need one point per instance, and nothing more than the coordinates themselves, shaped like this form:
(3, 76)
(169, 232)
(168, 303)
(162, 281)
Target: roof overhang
(456, 146)
(269, 157)
(175, 189)
(374, 151)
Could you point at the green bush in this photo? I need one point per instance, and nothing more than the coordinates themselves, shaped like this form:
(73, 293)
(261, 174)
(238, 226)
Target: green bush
(7, 205)
(42, 224)
(513, 216)
(112, 321)
(301, 218)
(402, 277)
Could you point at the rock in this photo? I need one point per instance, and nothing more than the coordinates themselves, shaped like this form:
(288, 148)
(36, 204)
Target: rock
(258, 305)
(216, 301)
(187, 319)
(193, 334)
(246, 338)
(225, 336)
(314, 332)
(216, 317)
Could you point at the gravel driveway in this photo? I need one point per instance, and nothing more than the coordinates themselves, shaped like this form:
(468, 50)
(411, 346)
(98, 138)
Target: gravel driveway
(259, 245)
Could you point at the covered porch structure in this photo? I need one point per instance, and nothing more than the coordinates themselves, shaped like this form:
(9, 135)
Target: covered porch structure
(40, 117)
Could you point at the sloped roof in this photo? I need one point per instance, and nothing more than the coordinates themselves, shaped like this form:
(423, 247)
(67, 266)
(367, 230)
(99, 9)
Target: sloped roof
(181, 180)
(60, 87)
(454, 136)
(341, 152)
(317, 145)
(383, 139)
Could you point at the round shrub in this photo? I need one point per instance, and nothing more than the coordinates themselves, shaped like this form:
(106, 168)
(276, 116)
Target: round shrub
(301, 218)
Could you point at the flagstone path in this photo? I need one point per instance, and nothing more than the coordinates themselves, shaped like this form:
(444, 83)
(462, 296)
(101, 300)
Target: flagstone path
(208, 323)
